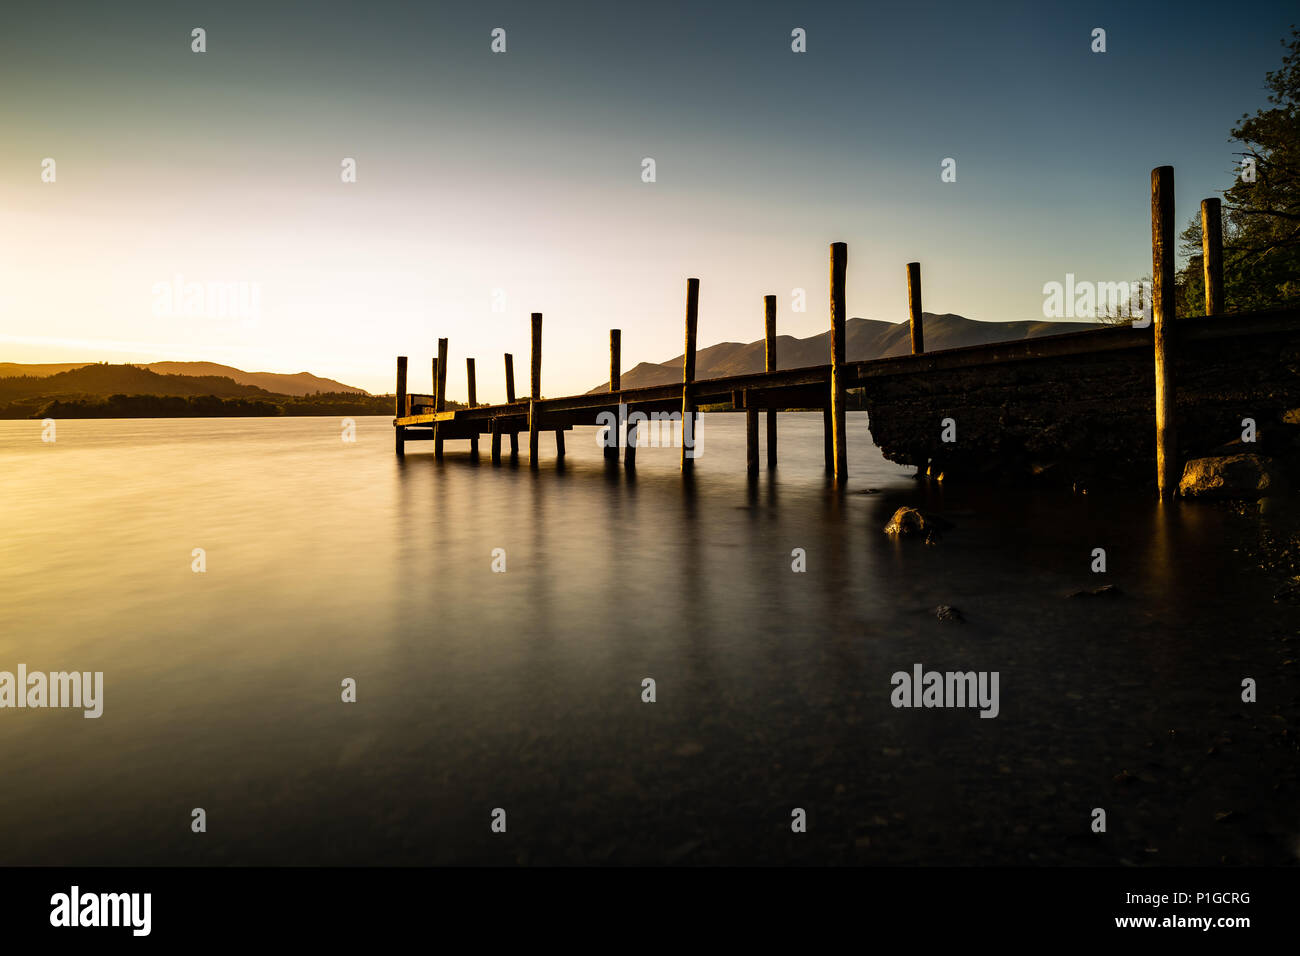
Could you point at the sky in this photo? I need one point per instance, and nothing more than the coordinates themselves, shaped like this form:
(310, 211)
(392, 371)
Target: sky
(492, 185)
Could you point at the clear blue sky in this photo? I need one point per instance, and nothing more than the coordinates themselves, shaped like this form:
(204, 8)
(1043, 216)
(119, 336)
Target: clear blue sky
(522, 171)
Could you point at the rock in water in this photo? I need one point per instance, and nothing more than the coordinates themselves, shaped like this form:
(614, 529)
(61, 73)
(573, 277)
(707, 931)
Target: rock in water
(1105, 589)
(910, 521)
(948, 614)
(1230, 476)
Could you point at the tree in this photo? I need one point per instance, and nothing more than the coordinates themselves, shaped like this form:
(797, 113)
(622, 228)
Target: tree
(1261, 218)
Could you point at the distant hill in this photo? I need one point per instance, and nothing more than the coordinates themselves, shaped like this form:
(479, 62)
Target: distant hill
(104, 380)
(301, 383)
(129, 391)
(865, 339)
(13, 369)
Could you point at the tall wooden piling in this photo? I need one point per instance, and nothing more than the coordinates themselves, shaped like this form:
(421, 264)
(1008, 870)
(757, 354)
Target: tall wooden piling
(440, 382)
(536, 357)
(440, 393)
(510, 397)
(1163, 312)
(769, 363)
(534, 419)
(688, 373)
(399, 406)
(473, 400)
(615, 376)
(914, 307)
(1212, 254)
(839, 266)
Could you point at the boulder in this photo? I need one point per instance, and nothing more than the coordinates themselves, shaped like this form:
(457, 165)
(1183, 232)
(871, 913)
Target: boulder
(1230, 476)
(947, 614)
(909, 521)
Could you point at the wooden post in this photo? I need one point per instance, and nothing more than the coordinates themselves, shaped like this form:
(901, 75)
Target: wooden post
(629, 453)
(914, 305)
(399, 406)
(495, 428)
(537, 356)
(559, 443)
(440, 385)
(839, 265)
(1212, 255)
(1163, 311)
(751, 436)
(615, 367)
(473, 400)
(534, 419)
(510, 397)
(440, 394)
(688, 372)
(769, 363)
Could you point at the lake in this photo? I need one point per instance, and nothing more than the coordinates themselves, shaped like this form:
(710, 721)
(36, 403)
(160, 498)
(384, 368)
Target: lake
(476, 690)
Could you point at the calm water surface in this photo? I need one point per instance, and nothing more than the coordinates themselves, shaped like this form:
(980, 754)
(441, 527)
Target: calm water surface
(522, 690)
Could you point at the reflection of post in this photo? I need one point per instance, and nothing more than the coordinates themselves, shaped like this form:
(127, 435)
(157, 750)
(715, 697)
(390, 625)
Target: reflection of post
(533, 425)
(688, 373)
(615, 365)
(1212, 254)
(629, 453)
(1162, 310)
(828, 447)
(769, 363)
(399, 403)
(839, 264)
(510, 397)
(751, 435)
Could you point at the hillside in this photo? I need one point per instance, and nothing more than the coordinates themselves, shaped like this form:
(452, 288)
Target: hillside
(865, 339)
(126, 391)
(300, 383)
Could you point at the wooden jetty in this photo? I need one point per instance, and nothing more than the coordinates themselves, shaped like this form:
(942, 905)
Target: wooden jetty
(425, 417)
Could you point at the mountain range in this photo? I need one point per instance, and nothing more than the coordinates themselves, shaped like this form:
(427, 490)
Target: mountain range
(865, 339)
(301, 383)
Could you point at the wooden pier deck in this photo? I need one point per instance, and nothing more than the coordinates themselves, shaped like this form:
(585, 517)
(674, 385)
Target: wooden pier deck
(420, 417)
